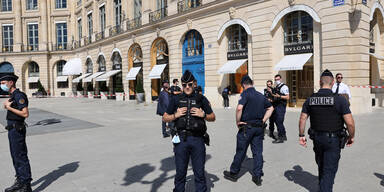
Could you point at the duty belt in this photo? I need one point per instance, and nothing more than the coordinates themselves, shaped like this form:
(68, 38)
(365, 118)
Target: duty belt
(327, 134)
(16, 125)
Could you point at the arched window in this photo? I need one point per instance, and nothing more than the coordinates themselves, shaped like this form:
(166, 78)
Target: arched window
(161, 50)
(33, 69)
(89, 66)
(237, 38)
(137, 56)
(101, 62)
(116, 61)
(59, 67)
(298, 28)
(195, 44)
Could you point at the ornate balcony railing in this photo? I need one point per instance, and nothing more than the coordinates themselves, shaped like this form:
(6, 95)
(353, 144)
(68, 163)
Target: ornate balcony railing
(7, 48)
(60, 47)
(87, 41)
(100, 36)
(28, 48)
(134, 23)
(185, 5)
(76, 44)
(158, 15)
(115, 30)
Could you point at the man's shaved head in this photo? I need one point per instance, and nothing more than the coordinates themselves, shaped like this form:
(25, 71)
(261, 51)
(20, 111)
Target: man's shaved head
(326, 81)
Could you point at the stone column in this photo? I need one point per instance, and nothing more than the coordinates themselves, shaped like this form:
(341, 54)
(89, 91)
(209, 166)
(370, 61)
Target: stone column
(18, 27)
(43, 44)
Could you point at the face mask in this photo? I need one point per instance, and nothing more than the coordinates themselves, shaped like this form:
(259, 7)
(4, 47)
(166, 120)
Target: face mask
(176, 139)
(277, 82)
(4, 87)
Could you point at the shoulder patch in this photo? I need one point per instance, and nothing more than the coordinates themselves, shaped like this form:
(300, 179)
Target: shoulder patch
(21, 101)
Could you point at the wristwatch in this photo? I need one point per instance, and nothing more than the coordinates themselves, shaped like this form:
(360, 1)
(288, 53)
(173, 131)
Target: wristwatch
(205, 115)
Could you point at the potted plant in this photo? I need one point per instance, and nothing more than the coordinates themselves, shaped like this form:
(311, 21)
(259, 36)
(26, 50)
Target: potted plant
(139, 92)
(119, 94)
(90, 90)
(40, 90)
(79, 89)
(103, 90)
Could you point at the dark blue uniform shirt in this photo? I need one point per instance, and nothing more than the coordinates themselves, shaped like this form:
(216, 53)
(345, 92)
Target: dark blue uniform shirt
(254, 104)
(341, 103)
(19, 101)
(172, 107)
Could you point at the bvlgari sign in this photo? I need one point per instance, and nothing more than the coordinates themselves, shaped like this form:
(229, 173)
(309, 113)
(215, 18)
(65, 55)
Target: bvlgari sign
(298, 49)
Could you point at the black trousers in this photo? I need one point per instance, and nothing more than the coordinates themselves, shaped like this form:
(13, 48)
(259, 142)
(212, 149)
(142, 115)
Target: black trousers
(226, 100)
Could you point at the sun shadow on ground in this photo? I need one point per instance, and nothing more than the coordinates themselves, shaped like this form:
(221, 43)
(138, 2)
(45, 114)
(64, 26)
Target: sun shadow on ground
(137, 173)
(51, 177)
(303, 178)
(380, 176)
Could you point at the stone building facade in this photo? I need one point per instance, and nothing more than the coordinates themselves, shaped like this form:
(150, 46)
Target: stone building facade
(132, 45)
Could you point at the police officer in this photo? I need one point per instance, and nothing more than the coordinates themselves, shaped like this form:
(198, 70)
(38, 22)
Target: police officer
(189, 111)
(281, 97)
(268, 91)
(328, 113)
(252, 112)
(17, 107)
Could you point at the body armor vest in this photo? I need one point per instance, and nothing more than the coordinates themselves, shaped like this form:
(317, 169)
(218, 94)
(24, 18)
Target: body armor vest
(323, 113)
(188, 122)
(12, 116)
(278, 91)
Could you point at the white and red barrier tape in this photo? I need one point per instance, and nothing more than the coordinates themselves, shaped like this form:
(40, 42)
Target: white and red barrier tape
(367, 86)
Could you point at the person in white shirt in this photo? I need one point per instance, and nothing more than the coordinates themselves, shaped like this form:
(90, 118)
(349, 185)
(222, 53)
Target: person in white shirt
(341, 88)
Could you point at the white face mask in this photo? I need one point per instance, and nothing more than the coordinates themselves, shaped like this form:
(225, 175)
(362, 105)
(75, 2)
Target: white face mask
(277, 82)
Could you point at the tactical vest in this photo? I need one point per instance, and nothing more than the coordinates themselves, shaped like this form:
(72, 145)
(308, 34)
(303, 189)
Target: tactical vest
(323, 113)
(278, 91)
(12, 116)
(188, 122)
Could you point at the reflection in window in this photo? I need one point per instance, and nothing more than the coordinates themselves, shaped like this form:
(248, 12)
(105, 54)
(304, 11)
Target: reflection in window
(101, 62)
(116, 61)
(117, 6)
(33, 37)
(137, 8)
(7, 38)
(89, 66)
(195, 44)
(33, 69)
(161, 50)
(237, 38)
(298, 28)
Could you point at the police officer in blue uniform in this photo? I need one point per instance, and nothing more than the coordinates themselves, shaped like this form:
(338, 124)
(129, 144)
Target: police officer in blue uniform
(281, 97)
(17, 107)
(252, 112)
(328, 113)
(189, 112)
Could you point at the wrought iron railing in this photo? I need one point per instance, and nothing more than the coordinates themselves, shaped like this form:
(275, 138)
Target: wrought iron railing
(158, 14)
(7, 48)
(87, 41)
(100, 36)
(60, 47)
(28, 48)
(134, 23)
(185, 5)
(115, 30)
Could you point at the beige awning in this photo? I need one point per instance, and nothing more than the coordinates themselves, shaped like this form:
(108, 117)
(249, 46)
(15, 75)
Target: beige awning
(293, 62)
(78, 79)
(133, 73)
(61, 78)
(231, 66)
(156, 71)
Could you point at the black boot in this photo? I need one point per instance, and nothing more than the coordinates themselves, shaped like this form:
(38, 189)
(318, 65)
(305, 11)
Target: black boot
(284, 137)
(16, 186)
(230, 176)
(257, 180)
(25, 188)
(271, 135)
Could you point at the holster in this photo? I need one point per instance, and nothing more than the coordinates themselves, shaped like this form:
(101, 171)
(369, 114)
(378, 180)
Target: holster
(311, 133)
(206, 138)
(343, 135)
(18, 126)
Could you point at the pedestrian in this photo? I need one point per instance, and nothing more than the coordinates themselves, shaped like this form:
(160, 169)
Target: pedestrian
(189, 111)
(199, 90)
(175, 89)
(327, 113)
(225, 94)
(341, 88)
(268, 91)
(162, 106)
(252, 112)
(280, 99)
(17, 112)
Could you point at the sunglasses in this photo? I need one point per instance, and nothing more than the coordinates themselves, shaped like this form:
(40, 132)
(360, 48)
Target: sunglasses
(187, 84)
(339, 77)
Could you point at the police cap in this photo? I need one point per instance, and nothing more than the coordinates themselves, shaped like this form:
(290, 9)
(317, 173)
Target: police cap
(246, 80)
(8, 77)
(187, 77)
(327, 73)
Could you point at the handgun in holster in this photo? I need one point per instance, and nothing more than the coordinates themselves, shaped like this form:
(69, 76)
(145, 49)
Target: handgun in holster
(343, 135)
(206, 138)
